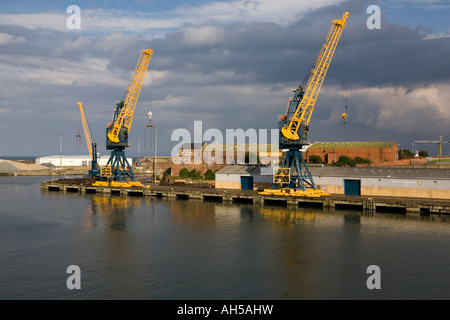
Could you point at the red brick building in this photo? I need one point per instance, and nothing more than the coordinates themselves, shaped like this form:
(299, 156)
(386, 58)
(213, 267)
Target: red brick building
(190, 156)
(202, 157)
(380, 153)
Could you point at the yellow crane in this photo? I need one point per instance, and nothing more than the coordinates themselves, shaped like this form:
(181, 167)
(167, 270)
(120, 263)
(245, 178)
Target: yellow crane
(293, 175)
(92, 146)
(305, 107)
(87, 133)
(117, 132)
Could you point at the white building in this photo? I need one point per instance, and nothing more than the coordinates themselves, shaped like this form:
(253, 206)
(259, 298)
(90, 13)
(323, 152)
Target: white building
(74, 161)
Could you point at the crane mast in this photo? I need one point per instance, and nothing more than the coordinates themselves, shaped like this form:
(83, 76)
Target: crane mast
(294, 126)
(117, 132)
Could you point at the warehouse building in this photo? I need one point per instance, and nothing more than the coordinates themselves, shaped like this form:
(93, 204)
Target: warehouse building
(389, 182)
(244, 177)
(377, 152)
(73, 161)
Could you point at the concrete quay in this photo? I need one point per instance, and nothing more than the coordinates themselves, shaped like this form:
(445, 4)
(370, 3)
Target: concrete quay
(413, 206)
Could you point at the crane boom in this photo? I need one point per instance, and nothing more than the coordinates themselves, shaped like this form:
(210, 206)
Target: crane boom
(315, 80)
(92, 146)
(87, 133)
(125, 117)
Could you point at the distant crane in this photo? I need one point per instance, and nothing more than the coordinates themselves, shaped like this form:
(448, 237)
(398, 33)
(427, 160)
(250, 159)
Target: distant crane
(92, 146)
(439, 142)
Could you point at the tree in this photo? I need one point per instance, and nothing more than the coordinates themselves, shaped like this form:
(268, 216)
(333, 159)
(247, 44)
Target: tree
(184, 173)
(423, 154)
(345, 161)
(403, 153)
(315, 159)
(362, 160)
(194, 174)
(210, 175)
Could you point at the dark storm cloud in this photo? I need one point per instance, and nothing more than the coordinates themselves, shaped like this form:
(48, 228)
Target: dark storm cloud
(232, 75)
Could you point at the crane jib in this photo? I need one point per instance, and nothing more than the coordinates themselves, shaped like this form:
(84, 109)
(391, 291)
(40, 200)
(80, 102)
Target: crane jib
(125, 116)
(315, 80)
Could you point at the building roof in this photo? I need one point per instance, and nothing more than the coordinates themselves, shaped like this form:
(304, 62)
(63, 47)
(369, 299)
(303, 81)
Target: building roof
(241, 147)
(243, 169)
(349, 172)
(192, 146)
(353, 145)
(66, 157)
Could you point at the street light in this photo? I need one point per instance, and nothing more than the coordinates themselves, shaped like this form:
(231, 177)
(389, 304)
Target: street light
(139, 148)
(156, 148)
(60, 150)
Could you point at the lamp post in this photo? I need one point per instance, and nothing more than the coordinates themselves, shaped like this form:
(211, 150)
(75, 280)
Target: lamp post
(156, 148)
(60, 150)
(139, 148)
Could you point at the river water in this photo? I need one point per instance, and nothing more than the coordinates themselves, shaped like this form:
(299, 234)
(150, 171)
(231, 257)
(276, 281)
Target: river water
(161, 249)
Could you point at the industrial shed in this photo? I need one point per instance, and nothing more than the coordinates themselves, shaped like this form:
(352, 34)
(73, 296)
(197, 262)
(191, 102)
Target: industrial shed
(393, 182)
(370, 181)
(244, 177)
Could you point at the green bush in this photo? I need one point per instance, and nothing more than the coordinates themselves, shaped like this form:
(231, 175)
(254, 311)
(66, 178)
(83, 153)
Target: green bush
(184, 173)
(315, 159)
(362, 160)
(345, 161)
(210, 175)
(194, 174)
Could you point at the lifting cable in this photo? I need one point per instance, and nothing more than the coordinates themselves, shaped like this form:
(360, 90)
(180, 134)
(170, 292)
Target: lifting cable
(344, 115)
(150, 105)
(78, 136)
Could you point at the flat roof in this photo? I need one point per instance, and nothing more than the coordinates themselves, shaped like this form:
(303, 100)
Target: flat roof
(381, 172)
(353, 145)
(351, 172)
(240, 169)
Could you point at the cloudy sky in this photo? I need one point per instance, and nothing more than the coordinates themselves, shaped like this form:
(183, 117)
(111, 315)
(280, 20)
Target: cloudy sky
(231, 64)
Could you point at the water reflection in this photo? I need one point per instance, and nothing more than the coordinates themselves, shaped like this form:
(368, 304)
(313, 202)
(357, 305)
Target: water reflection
(112, 211)
(224, 250)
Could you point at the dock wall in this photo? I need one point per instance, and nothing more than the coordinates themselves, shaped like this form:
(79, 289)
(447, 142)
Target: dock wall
(408, 205)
